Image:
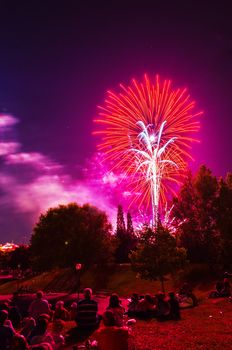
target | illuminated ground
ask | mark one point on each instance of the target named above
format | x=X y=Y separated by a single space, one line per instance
x=206 y=327
x=197 y=329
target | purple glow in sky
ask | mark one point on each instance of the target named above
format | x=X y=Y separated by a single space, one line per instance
x=58 y=59
x=31 y=182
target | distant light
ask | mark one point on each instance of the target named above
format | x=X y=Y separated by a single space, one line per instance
x=8 y=247
x=78 y=266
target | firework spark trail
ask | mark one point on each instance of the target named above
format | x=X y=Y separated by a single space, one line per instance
x=150 y=160
x=146 y=135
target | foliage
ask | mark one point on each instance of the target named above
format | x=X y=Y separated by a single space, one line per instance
x=71 y=233
x=203 y=215
x=129 y=228
x=121 y=227
x=4 y=259
x=20 y=257
x=224 y=218
x=125 y=237
x=157 y=254
x=195 y=212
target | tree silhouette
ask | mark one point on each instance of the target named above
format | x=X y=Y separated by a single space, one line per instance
x=224 y=219
x=129 y=226
x=195 y=214
x=120 y=234
x=71 y=233
x=21 y=256
x=125 y=236
x=121 y=227
x=157 y=254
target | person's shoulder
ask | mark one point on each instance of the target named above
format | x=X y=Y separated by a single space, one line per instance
x=118 y=309
x=44 y=301
x=8 y=331
x=58 y=337
x=11 y=331
x=93 y=301
x=45 y=338
x=82 y=301
x=87 y=301
x=49 y=336
x=107 y=330
x=122 y=330
x=99 y=330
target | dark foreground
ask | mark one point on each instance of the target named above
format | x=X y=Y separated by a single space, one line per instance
x=206 y=327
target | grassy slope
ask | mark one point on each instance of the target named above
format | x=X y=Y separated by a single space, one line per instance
x=120 y=279
x=205 y=327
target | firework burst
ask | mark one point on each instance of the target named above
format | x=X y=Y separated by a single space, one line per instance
x=146 y=132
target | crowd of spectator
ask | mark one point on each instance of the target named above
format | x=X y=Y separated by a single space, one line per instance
x=43 y=326
x=222 y=288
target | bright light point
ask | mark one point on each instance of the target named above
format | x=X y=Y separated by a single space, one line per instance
x=152 y=138
x=8 y=247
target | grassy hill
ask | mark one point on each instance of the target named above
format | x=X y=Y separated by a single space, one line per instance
x=205 y=327
x=115 y=278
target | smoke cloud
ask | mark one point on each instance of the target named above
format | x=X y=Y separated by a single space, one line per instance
x=32 y=182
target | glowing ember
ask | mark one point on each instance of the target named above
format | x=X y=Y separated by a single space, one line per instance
x=146 y=136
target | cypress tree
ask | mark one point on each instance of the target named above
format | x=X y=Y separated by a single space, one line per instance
x=129 y=229
x=125 y=236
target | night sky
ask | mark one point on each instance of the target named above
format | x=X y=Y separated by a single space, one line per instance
x=57 y=60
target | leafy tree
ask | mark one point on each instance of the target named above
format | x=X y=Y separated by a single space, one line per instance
x=157 y=254
x=21 y=256
x=71 y=233
x=224 y=218
x=207 y=191
x=195 y=212
x=4 y=260
x=203 y=215
x=185 y=219
x=131 y=237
